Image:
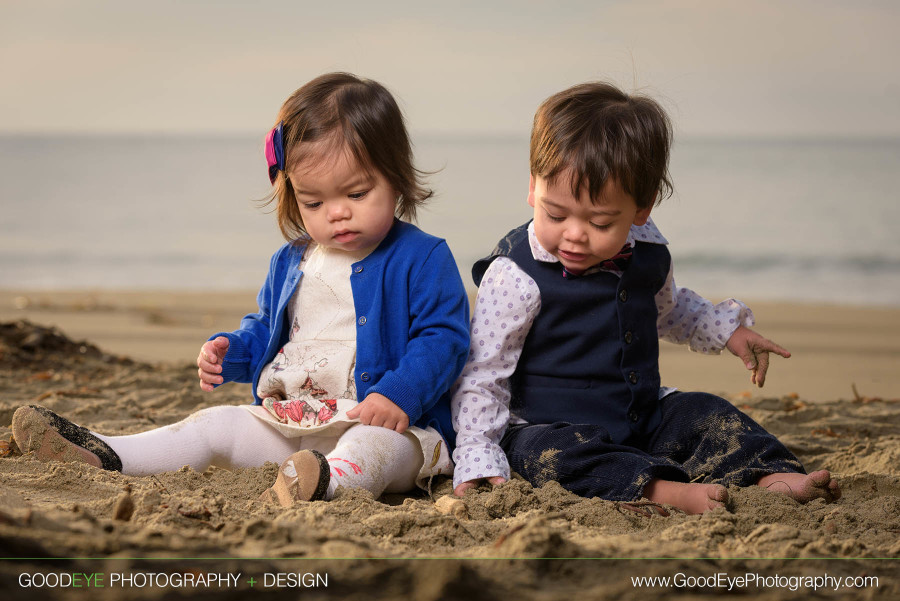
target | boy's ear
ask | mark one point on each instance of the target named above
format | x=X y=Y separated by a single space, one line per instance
x=641 y=217
x=531 y=190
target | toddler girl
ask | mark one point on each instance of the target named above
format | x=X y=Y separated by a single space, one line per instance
x=361 y=330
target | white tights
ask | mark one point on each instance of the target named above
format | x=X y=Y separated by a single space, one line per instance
x=370 y=457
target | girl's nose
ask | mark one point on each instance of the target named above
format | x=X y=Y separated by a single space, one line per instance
x=338 y=210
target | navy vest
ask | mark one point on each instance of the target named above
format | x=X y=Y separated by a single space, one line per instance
x=592 y=355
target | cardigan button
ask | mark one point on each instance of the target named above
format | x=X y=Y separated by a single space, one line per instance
x=633 y=416
x=362 y=320
x=623 y=295
x=629 y=337
x=364 y=376
x=358 y=269
x=633 y=377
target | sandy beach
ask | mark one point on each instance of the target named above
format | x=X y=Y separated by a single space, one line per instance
x=122 y=362
x=833 y=347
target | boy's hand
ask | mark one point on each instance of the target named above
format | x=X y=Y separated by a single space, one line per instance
x=378 y=410
x=209 y=362
x=754 y=351
x=462 y=488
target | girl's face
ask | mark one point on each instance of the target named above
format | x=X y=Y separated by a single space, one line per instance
x=341 y=205
x=579 y=233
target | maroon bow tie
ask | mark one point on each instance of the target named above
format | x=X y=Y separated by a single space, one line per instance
x=620 y=261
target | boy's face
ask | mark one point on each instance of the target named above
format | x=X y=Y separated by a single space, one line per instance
x=342 y=206
x=579 y=233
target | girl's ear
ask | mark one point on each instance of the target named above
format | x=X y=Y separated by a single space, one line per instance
x=531 y=190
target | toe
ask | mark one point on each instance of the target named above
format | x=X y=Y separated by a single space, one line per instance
x=835 y=489
x=719 y=493
x=820 y=479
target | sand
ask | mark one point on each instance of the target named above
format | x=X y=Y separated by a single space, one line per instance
x=122 y=363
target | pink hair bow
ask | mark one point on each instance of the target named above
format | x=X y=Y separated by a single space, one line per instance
x=275 y=150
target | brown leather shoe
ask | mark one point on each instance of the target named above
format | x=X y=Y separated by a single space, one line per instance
x=304 y=476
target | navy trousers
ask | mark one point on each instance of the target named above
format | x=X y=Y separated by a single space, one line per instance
x=701 y=438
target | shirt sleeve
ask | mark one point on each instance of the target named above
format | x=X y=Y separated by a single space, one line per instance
x=685 y=317
x=508 y=301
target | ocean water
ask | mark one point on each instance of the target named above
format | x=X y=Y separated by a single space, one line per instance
x=765 y=219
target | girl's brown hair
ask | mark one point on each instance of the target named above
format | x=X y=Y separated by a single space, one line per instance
x=340 y=110
x=599 y=132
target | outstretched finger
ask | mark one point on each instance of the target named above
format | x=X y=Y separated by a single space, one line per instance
x=767 y=345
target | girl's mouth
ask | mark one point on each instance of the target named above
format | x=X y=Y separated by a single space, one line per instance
x=344 y=237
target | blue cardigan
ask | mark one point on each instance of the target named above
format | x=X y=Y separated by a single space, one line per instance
x=412 y=324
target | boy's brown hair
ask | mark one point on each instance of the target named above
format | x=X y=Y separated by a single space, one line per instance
x=599 y=132
x=338 y=111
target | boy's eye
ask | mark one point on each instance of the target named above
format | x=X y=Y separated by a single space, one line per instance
x=554 y=218
x=604 y=226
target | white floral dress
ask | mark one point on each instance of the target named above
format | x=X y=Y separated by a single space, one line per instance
x=309 y=387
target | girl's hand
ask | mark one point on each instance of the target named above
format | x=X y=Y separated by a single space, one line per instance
x=462 y=488
x=209 y=362
x=378 y=410
x=754 y=351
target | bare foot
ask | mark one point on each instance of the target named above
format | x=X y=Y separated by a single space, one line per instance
x=804 y=487
x=689 y=497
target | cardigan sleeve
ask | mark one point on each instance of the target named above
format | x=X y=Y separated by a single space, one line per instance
x=438 y=337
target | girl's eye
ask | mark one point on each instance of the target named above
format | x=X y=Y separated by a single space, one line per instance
x=311 y=205
x=358 y=195
x=604 y=226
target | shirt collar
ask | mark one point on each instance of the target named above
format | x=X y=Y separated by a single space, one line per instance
x=639 y=233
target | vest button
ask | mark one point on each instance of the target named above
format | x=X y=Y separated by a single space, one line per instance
x=358 y=269
x=362 y=320
x=629 y=337
x=633 y=416
x=364 y=376
x=623 y=295
x=633 y=377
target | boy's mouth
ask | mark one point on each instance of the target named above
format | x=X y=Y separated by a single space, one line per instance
x=570 y=256
x=345 y=236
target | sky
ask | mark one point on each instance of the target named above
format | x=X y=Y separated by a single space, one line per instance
x=800 y=68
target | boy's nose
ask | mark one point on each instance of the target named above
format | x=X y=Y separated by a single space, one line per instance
x=575 y=233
